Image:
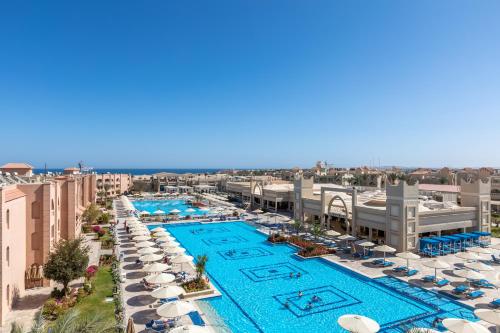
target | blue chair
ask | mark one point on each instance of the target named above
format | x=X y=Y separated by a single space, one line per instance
x=428 y=278
x=461 y=289
x=386 y=263
x=377 y=261
x=475 y=294
x=495 y=303
x=411 y=272
x=441 y=283
x=483 y=284
x=400 y=269
x=152 y=323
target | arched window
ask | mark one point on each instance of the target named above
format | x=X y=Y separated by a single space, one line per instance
x=8 y=218
x=7 y=255
x=7 y=294
x=52 y=204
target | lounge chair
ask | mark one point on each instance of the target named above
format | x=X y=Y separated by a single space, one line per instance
x=461 y=289
x=166 y=300
x=154 y=323
x=411 y=272
x=475 y=294
x=386 y=263
x=495 y=303
x=483 y=284
x=400 y=269
x=159 y=328
x=441 y=283
x=428 y=278
x=496 y=260
x=377 y=261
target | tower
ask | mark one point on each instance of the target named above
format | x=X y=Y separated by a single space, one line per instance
x=477 y=194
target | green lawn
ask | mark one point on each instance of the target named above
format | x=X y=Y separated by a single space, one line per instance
x=95 y=302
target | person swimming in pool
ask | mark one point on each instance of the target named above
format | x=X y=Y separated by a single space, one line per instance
x=291 y=275
x=300 y=293
x=315 y=298
x=309 y=305
x=286 y=305
x=299 y=275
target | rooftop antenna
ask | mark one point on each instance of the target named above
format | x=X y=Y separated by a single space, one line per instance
x=45 y=167
x=80 y=166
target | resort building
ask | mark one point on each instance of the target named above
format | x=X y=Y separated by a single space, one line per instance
x=19 y=169
x=110 y=185
x=398 y=215
x=35 y=213
x=166 y=182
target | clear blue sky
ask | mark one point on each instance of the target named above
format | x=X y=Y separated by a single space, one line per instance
x=250 y=83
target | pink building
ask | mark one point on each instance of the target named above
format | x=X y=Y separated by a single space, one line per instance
x=111 y=185
x=34 y=217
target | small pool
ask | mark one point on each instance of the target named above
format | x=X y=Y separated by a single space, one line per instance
x=254 y=279
x=167 y=206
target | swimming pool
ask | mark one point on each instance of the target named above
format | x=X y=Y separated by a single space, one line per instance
x=167 y=206
x=254 y=279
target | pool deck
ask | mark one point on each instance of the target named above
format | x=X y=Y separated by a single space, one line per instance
x=138 y=302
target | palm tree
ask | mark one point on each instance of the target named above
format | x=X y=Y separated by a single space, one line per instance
x=297 y=226
x=317 y=230
x=16 y=328
x=201 y=263
x=73 y=321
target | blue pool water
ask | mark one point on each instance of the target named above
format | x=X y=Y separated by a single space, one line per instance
x=254 y=279
x=166 y=205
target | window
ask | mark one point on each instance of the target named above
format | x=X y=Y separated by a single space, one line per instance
x=52 y=204
x=411 y=212
x=394 y=210
x=7 y=218
x=7 y=294
x=7 y=255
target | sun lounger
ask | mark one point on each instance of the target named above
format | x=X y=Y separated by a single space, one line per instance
x=441 y=283
x=496 y=260
x=411 y=272
x=400 y=269
x=196 y=318
x=386 y=263
x=166 y=300
x=495 y=303
x=377 y=261
x=461 y=289
x=475 y=294
x=428 y=278
x=483 y=284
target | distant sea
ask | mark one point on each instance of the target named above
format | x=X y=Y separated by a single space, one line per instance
x=137 y=171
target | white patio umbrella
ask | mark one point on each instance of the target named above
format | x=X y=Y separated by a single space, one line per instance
x=190 y=329
x=162 y=278
x=169 y=245
x=456 y=325
x=145 y=212
x=175 y=250
x=165 y=239
x=180 y=259
x=467 y=256
x=148 y=250
x=144 y=244
x=157 y=229
x=346 y=237
x=489 y=315
x=258 y=211
x=408 y=256
x=156 y=267
x=468 y=274
x=150 y=257
x=175 y=211
x=175 y=309
x=161 y=234
x=205 y=209
x=385 y=249
x=139 y=233
x=357 y=324
x=190 y=210
x=159 y=212
x=480 y=250
x=478 y=266
x=167 y=292
x=365 y=244
x=436 y=264
x=141 y=238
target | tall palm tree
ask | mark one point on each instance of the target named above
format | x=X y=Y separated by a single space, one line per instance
x=201 y=263
x=317 y=230
x=297 y=226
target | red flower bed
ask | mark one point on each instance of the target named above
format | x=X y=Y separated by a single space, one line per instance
x=309 y=249
x=276 y=238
